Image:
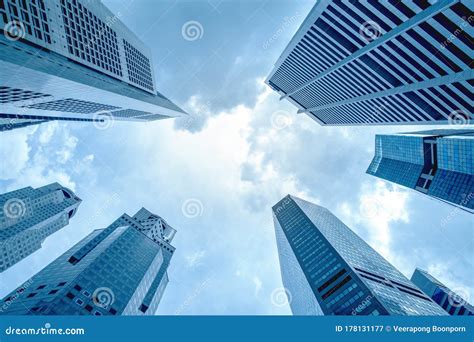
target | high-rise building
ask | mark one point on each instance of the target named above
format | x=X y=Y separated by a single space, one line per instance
x=328 y=270
x=118 y=270
x=380 y=62
x=437 y=163
x=28 y=216
x=449 y=300
x=74 y=60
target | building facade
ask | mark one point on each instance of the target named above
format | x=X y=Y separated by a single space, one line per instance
x=449 y=300
x=375 y=63
x=74 y=60
x=328 y=270
x=118 y=270
x=28 y=216
x=437 y=163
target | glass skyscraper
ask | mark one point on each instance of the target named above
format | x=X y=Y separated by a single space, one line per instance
x=118 y=270
x=437 y=163
x=329 y=270
x=28 y=216
x=380 y=62
x=449 y=300
x=74 y=60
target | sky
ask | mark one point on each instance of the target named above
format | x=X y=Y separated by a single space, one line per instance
x=215 y=176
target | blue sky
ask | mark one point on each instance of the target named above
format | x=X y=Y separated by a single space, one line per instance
x=241 y=153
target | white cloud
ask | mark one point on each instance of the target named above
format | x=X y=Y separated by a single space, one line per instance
x=237 y=163
x=14 y=152
x=379 y=205
x=258 y=285
x=195 y=258
x=443 y=271
x=33 y=164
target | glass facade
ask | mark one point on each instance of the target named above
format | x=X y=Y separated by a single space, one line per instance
x=74 y=60
x=438 y=163
x=449 y=300
x=379 y=62
x=118 y=270
x=28 y=216
x=329 y=270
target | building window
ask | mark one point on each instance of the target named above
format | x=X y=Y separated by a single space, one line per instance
x=31 y=295
x=53 y=291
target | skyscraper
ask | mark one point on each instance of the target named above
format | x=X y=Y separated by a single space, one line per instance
x=380 y=62
x=449 y=300
x=74 y=60
x=437 y=163
x=28 y=216
x=118 y=270
x=329 y=270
